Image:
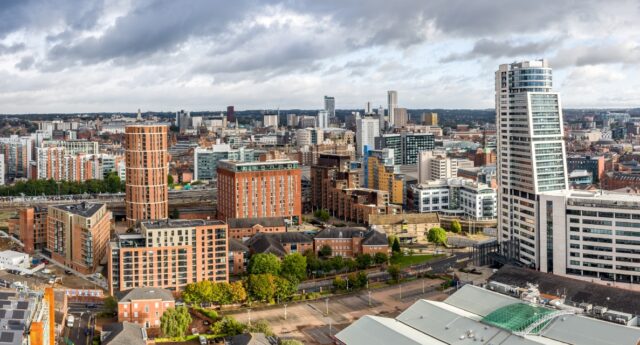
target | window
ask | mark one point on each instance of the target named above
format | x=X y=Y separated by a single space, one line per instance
x=135 y=314
x=126 y=314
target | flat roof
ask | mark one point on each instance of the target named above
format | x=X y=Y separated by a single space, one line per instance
x=179 y=223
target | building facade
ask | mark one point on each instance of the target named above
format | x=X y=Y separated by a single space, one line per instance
x=330 y=106
x=78 y=235
x=33 y=228
x=435 y=166
x=260 y=189
x=531 y=150
x=205 y=161
x=367 y=129
x=406 y=146
x=392 y=104
x=144 y=306
x=382 y=175
x=244 y=228
x=147 y=168
x=593 y=164
x=169 y=254
x=351 y=242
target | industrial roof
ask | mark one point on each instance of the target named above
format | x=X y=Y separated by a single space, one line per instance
x=375 y=330
x=468 y=300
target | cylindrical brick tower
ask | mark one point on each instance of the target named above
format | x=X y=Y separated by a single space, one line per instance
x=147 y=167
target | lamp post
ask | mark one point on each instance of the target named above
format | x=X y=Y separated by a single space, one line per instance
x=285 y=311
x=326 y=303
x=369 y=293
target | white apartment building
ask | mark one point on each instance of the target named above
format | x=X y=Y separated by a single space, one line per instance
x=322 y=120
x=531 y=150
x=436 y=165
x=392 y=104
x=591 y=235
x=367 y=129
x=455 y=197
x=270 y=120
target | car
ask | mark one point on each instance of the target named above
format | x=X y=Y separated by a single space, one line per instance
x=206 y=323
x=68 y=272
x=91 y=305
x=45 y=261
x=203 y=340
x=70 y=320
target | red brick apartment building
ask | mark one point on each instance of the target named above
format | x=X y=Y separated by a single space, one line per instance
x=244 y=228
x=350 y=242
x=144 y=306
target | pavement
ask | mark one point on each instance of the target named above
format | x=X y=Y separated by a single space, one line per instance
x=84 y=323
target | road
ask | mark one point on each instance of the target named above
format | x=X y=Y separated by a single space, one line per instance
x=84 y=320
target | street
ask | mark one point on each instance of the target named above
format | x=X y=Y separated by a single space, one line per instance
x=84 y=320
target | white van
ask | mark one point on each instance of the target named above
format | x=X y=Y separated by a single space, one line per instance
x=70 y=320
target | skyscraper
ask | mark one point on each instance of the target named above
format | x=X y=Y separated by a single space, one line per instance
x=531 y=151
x=231 y=114
x=147 y=167
x=330 y=106
x=392 y=104
x=323 y=119
x=367 y=129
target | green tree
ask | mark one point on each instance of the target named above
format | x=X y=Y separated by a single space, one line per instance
x=264 y=264
x=228 y=327
x=199 y=292
x=110 y=304
x=363 y=261
x=238 y=294
x=175 y=322
x=456 y=228
x=395 y=247
x=337 y=263
x=339 y=283
x=323 y=215
x=325 y=251
x=380 y=258
x=294 y=267
x=170 y=179
x=284 y=288
x=394 y=272
x=261 y=326
x=262 y=287
x=437 y=236
x=349 y=264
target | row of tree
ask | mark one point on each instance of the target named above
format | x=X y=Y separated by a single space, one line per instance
x=216 y=293
x=324 y=264
x=110 y=184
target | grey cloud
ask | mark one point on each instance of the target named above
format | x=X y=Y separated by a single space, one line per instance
x=11 y=49
x=25 y=63
x=498 y=49
x=597 y=55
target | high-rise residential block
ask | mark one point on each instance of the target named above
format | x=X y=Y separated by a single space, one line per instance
x=436 y=165
x=367 y=129
x=169 y=254
x=330 y=106
x=381 y=174
x=32 y=222
x=17 y=156
x=531 y=150
x=322 y=119
x=392 y=104
x=74 y=147
x=147 y=168
x=183 y=120
x=269 y=188
x=406 y=146
x=270 y=120
x=55 y=163
x=77 y=235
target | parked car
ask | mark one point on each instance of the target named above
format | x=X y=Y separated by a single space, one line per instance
x=68 y=272
x=203 y=340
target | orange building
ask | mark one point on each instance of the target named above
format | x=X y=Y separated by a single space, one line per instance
x=33 y=228
x=259 y=189
x=147 y=168
x=350 y=242
x=382 y=175
x=169 y=254
x=144 y=306
x=77 y=235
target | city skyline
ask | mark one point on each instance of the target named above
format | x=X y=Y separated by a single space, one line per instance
x=120 y=56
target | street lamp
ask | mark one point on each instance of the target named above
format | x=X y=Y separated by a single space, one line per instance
x=326 y=302
x=249 y=316
x=369 y=292
x=285 y=311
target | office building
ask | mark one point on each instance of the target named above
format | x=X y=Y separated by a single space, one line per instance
x=17 y=153
x=309 y=136
x=32 y=224
x=144 y=305
x=28 y=317
x=330 y=106
x=231 y=114
x=77 y=235
x=205 y=161
x=381 y=173
x=169 y=254
x=406 y=146
x=259 y=189
x=183 y=120
x=367 y=129
x=270 y=120
x=454 y=197
x=400 y=117
x=147 y=168
x=392 y=104
x=351 y=242
x=531 y=151
x=292 y=120
x=593 y=164
x=436 y=165
x=430 y=119
x=322 y=119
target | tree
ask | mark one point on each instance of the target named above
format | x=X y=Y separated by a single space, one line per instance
x=228 y=326
x=363 y=261
x=110 y=304
x=175 y=214
x=262 y=287
x=395 y=247
x=264 y=264
x=170 y=179
x=337 y=263
x=437 y=236
x=455 y=226
x=198 y=292
x=339 y=283
x=394 y=272
x=261 y=326
x=349 y=264
x=237 y=292
x=323 y=215
x=294 y=267
x=175 y=322
x=325 y=251
x=380 y=258
x=284 y=288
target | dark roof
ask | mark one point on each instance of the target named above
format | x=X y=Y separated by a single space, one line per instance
x=83 y=209
x=237 y=246
x=375 y=238
x=144 y=293
x=342 y=232
x=240 y=223
x=261 y=243
x=576 y=291
x=292 y=237
x=250 y=339
x=125 y=333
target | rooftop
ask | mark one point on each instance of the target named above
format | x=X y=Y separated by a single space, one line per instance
x=178 y=223
x=235 y=223
x=125 y=333
x=145 y=293
x=82 y=209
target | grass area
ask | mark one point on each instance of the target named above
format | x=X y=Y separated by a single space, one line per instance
x=408 y=260
x=212 y=314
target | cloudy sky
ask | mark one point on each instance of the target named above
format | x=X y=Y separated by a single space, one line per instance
x=121 y=55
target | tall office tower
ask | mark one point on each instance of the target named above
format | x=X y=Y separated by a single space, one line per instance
x=400 y=117
x=270 y=120
x=292 y=120
x=231 y=114
x=531 y=151
x=435 y=166
x=367 y=108
x=205 y=161
x=259 y=189
x=367 y=129
x=147 y=168
x=169 y=254
x=392 y=104
x=77 y=235
x=322 y=119
x=330 y=106
x=183 y=120
x=139 y=116
x=406 y=145
x=430 y=119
